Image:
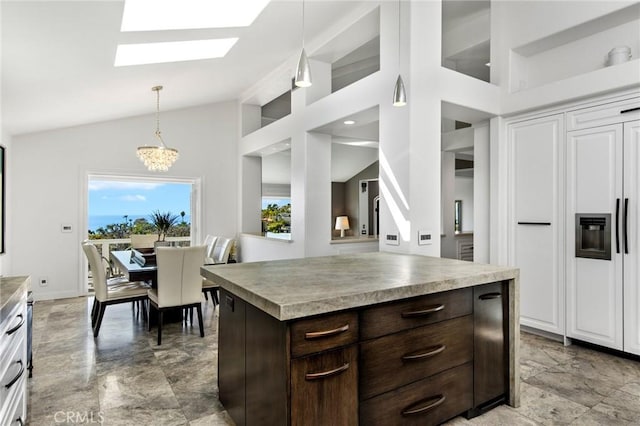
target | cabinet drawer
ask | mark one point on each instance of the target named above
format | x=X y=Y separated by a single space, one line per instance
x=324 y=388
x=13 y=328
x=397 y=359
x=16 y=413
x=397 y=316
x=603 y=115
x=13 y=365
x=427 y=402
x=325 y=332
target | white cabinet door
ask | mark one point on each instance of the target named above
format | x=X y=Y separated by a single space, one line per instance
x=632 y=259
x=594 y=286
x=536 y=237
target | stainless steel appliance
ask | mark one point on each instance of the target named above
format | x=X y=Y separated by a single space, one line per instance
x=593 y=236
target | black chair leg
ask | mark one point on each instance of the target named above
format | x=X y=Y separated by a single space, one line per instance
x=94 y=313
x=199 y=309
x=149 y=315
x=205 y=295
x=159 y=327
x=214 y=296
x=93 y=310
x=144 y=310
x=101 y=309
x=191 y=316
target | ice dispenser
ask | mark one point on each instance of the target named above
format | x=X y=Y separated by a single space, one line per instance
x=593 y=236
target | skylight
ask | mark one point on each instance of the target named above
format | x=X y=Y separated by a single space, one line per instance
x=173 y=51
x=156 y=15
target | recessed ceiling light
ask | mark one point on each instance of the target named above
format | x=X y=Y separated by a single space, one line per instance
x=156 y=15
x=488 y=64
x=349 y=122
x=173 y=51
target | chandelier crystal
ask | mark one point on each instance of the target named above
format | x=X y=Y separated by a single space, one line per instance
x=157 y=158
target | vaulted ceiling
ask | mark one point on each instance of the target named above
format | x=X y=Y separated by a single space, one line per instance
x=57 y=60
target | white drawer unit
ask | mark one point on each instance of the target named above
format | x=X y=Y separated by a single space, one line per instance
x=13 y=350
x=602 y=115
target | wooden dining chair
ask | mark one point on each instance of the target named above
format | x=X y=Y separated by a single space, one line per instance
x=110 y=291
x=179 y=282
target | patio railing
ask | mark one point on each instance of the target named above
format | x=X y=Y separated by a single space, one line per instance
x=106 y=246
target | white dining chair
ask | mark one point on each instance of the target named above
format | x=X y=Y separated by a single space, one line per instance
x=109 y=291
x=210 y=242
x=179 y=282
x=220 y=255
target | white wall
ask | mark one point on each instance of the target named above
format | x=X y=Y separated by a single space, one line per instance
x=463 y=190
x=5 y=258
x=49 y=169
x=447 y=179
x=481 y=194
x=518 y=24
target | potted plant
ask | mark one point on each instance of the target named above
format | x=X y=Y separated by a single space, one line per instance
x=163 y=221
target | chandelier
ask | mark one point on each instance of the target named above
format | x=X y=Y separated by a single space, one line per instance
x=157 y=158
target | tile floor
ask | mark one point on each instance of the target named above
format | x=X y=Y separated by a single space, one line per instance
x=124 y=378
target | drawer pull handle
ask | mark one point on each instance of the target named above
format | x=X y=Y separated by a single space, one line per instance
x=14 y=329
x=435 y=350
x=15 y=379
x=419 y=408
x=624 y=111
x=423 y=312
x=490 y=296
x=329 y=373
x=327 y=333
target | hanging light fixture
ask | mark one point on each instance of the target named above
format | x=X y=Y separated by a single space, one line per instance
x=399 y=94
x=303 y=71
x=157 y=158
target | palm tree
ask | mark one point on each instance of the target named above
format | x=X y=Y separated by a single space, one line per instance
x=163 y=221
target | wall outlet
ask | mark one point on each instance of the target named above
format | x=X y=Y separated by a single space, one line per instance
x=424 y=238
x=392 y=240
x=43 y=281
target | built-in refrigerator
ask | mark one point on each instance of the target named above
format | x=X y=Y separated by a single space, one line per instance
x=602 y=263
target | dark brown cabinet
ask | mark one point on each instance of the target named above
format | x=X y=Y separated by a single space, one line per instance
x=324 y=388
x=417 y=361
x=231 y=360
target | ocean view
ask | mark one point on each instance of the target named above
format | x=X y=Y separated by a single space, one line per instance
x=101 y=221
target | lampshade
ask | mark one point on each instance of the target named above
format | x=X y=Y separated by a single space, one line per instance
x=342 y=224
x=399 y=95
x=157 y=158
x=303 y=71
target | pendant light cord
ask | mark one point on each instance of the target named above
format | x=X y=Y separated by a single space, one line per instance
x=399 y=9
x=158 y=133
x=303 y=24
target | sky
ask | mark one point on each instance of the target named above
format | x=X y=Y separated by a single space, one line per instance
x=137 y=198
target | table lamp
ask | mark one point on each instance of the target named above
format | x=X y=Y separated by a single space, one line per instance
x=342 y=223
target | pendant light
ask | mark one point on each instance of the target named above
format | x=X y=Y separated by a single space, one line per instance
x=399 y=93
x=157 y=158
x=303 y=71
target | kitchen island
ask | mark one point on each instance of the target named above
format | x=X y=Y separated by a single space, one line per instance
x=372 y=338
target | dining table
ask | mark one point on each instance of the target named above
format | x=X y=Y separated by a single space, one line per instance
x=123 y=260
